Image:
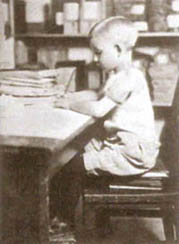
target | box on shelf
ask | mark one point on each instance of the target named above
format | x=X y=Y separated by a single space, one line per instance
x=7 y=59
x=109 y=8
x=157 y=15
x=38 y=15
x=141 y=25
x=49 y=56
x=59 y=18
x=94 y=79
x=4 y=17
x=135 y=10
x=58 y=25
x=175 y=6
x=20 y=17
x=71 y=11
x=21 y=53
x=173 y=22
x=164 y=78
x=2 y=21
x=90 y=13
x=71 y=27
x=80 y=53
x=164 y=91
x=173 y=15
x=85 y=26
x=71 y=18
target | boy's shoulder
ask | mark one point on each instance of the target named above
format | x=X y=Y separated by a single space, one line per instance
x=133 y=76
x=137 y=77
x=136 y=73
x=132 y=72
x=132 y=79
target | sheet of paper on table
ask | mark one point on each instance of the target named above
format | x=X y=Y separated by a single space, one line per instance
x=44 y=122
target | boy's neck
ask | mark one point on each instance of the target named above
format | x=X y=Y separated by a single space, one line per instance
x=127 y=62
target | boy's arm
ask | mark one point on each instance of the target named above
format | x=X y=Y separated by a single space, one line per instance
x=86 y=95
x=96 y=109
x=76 y=97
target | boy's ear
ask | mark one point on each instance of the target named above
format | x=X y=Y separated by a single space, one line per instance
x=118 y=48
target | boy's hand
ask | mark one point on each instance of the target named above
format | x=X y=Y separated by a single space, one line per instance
x=62 y=103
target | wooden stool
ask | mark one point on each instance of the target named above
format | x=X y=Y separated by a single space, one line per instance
x=148 y=195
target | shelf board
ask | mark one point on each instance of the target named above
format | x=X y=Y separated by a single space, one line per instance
x=49 y=35
x=164 y=105
x=159 y=34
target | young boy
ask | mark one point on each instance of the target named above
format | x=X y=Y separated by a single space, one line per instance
x=127 y=145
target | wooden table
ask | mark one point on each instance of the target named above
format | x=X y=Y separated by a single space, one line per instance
x=30 y=144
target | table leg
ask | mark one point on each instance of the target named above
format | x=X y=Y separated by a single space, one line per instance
x=177 y=218
x=24 y=197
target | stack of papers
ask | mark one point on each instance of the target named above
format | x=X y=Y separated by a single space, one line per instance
x=30 y=86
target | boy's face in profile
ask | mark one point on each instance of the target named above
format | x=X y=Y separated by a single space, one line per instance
x=110 y=56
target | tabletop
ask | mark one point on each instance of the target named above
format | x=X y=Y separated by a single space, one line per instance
x=41 y=127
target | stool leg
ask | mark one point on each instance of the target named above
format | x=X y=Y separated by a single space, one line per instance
x=83 y=210
x=168 y=224
x=177 y=219
x=103 y=224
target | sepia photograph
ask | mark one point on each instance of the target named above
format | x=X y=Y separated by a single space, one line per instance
x=89 y=121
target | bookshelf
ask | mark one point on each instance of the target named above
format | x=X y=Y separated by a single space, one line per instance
x=46 y=37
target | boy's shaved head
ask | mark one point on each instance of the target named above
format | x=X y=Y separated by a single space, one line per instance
x=118 y=29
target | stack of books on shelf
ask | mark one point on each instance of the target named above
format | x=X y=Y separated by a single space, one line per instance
x=29 y=86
